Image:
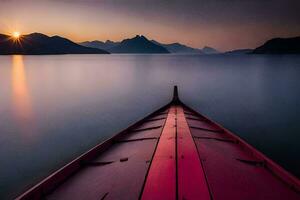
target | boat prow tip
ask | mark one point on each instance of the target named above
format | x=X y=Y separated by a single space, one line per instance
x=175 y=99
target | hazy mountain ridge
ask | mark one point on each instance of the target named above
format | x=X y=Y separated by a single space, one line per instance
x=210 y=50
x=99 y=44
x=40 y=44
x=239 y=51
x=179 y=48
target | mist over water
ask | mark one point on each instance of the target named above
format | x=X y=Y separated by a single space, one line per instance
x=53 y=108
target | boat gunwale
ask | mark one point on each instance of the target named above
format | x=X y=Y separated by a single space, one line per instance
x=269 y=164
x=50 y=182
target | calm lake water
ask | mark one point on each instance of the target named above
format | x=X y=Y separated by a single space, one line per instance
x=53 y=108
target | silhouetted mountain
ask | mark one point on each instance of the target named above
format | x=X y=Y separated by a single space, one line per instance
x=39 y=44
x=179 y=48
x=239 y=51
x=99 y=44
x=280 y=46
x=210 y=50
x=138 y=44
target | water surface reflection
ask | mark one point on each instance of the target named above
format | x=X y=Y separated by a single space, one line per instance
x=20 y=94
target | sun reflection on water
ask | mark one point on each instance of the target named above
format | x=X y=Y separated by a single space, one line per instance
x=21 y=98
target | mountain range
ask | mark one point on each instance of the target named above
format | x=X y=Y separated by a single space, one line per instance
x=140 y=44
x=40 y=44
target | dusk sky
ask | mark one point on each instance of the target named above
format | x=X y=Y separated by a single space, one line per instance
x=225 y=25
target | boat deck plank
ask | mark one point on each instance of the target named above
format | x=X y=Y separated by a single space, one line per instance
x=204 y=133
x=136 y=150
x=191 y=178
x=203 y=125
x=161 y=179
x=151 y=124
x=152 y=133
x=118 y=180
x=233 y=173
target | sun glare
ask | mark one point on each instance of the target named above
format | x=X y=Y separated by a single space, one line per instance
x=16 y=35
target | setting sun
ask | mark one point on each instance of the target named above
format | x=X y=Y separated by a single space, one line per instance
x=16 y=34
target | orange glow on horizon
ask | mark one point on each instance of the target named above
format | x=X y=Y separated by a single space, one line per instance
x=16 y=35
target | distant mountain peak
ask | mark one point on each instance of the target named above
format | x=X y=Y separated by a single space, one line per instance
x=209 y=50
x=38 y=34
x=138 y=44
x=140 y=36
x=109 y=42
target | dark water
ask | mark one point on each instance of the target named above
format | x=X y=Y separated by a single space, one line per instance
x=53 y=108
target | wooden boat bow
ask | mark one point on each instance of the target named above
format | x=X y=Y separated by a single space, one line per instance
x=173 y=153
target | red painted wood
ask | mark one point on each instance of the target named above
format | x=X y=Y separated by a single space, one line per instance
x=136 y=150
x=119 y=180
x=191 y=178
x=232 y=179
x=161 y=179
x=152 y=133
x=151 y=124
x=203 y=124
x=229 y=178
